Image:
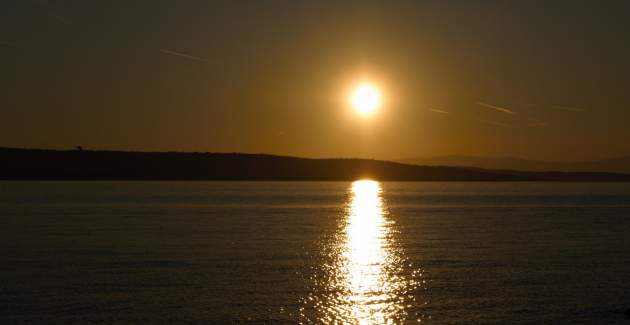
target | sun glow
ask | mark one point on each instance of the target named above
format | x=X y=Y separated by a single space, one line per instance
x=366 y=99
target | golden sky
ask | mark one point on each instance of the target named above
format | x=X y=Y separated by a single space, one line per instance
x=533 y=79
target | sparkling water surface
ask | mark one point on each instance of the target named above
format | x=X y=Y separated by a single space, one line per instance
x=362 y=252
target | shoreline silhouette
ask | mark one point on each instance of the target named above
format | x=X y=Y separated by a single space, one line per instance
x=44 y=164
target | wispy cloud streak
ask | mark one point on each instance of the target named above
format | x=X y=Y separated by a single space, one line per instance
x=435 y=110
x=183 y=55
x=497 y=108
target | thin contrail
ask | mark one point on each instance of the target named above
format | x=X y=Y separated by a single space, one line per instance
x=495 y=123
x=570 y=109
x=183 y=55
x=59 y=18
x=533 y=122
x=48 y=7
x=539 y=124
x=9 y=44
x=439 y=111
x=498 y=108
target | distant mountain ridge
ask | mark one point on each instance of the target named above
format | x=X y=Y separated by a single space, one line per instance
x=614 y=165
x=38 y=164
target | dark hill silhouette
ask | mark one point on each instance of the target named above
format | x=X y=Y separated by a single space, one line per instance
x=37 y=164
x=614 y=165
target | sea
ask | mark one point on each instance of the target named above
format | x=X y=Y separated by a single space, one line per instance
x=363 y=252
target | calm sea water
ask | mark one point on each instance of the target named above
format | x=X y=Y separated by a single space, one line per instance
x=362 y=252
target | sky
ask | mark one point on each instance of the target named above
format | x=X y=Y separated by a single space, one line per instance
x=535 y=79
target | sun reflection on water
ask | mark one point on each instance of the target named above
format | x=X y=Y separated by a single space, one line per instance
x=366 y=253
x=367 y=279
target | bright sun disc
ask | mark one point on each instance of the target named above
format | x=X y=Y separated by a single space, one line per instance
x=366 y=99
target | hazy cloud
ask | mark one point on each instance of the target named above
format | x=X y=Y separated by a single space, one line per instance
x=183 y=55
x=435 y=110
x=497 y=108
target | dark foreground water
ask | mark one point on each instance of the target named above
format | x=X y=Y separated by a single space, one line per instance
x=363 y=252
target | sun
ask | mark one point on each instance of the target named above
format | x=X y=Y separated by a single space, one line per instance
x=366 y=99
